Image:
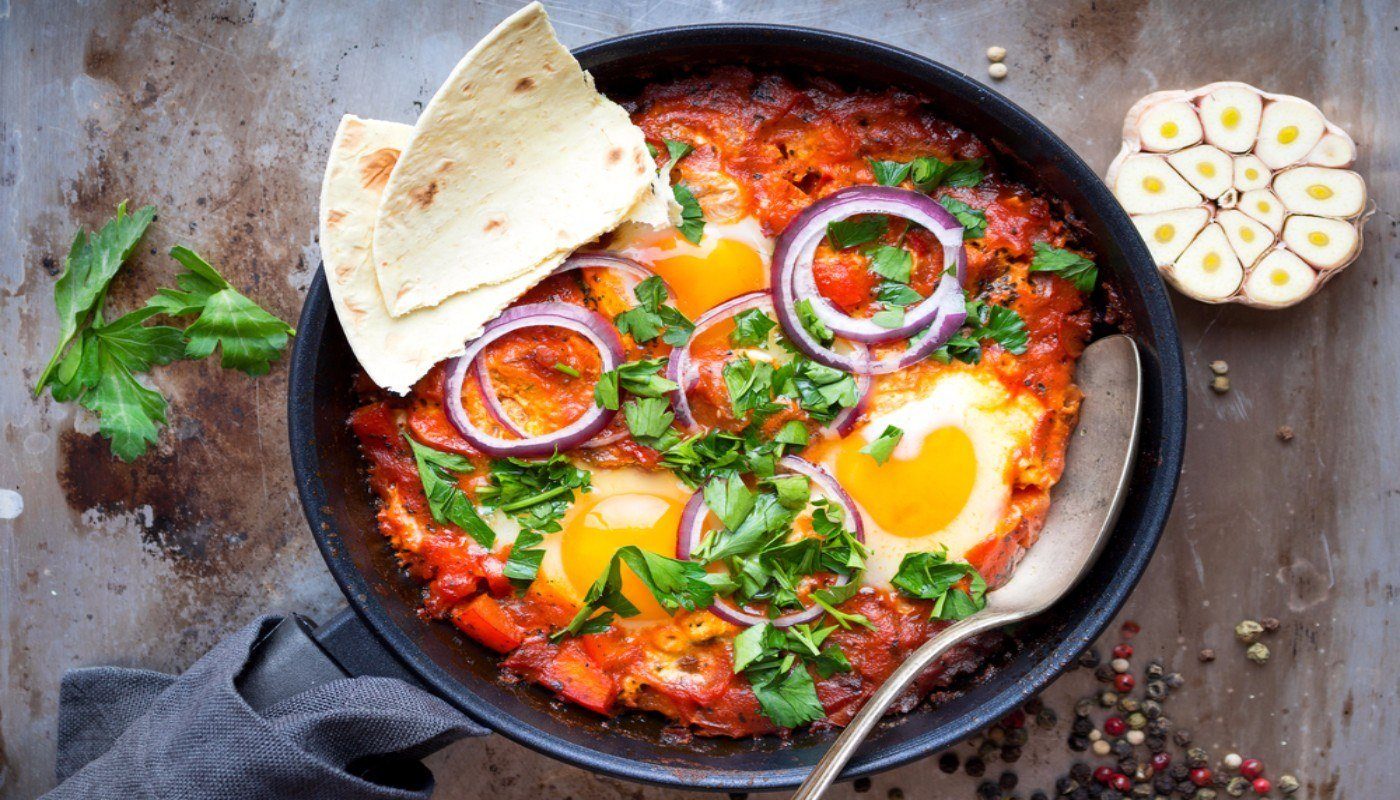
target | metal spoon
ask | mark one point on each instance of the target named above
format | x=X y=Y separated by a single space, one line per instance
x=1085 y=507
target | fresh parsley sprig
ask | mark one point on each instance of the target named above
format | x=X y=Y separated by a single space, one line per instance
x=973 y=220
x=931 y=576
x=928 y=173
x=883 y=445
x=776 y=661
x=653 y=317
x=536 y=494
x=438 y=472
x=1068 y=264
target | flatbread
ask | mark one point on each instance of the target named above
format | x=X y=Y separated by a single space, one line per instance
x=516 y=161
x=394 y=352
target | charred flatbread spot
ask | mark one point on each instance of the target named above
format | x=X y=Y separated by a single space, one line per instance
x=334 y=217
x=423 y=196
x=525 y=84
x=495 y=223
x=375 y=169
x=615 y=155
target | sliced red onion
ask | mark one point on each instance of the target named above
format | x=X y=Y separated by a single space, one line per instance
x=588 y=324
x=692 y=532
x=604 y=260
x=678 y=369
x=843 y=423
x=937 y=316
x=492 y=401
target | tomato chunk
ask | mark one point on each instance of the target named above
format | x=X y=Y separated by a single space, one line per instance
x=483 y=619
x=576 y=678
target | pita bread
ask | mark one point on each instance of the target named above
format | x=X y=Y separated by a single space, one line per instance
x=514 y=163
x=394 y=352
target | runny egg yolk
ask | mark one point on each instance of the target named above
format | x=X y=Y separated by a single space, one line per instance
x=702 y=282
x=604 y=524
x=912 y=496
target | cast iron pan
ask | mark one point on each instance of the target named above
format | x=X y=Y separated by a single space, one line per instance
x=384 y=635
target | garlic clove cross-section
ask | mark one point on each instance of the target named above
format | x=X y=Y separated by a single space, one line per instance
x=1241 y=195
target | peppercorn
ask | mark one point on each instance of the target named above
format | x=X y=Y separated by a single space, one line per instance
x=1120 y=665
x=1120 y=783
x=1159 y=727
x=1124 y=682
x=1108 y=699
x=1237 y=787
x=1084 y=707
x=1123 y=651
x=1089 y=658
x=1271 y=624
x=1258 y=653
x=1033 y=705
x=1127 y=765
x=1103 y=774
x=1077 y=743
x=1137 y=721
x=1011 y=754
x=1156 y=690
x=1251 y=768
x=1179 y=772
x=1142 y=773
x=1205 y=794
x=988 y=749
x=1111 y=794
x=1046 y=718
x=1220 y=384
x=988 y=791
x=895 y=793
x=1248 y=631
x=996 y=736
x=1161 y=761
x=1288 y=784
x=1065 y=785
x=1262 y=786
x=1038 y=795
x=1129 y=705
x=1182 y=737
x=975 y=767
x=1104 y=673
x=1151 y=709
x=1174 y=680
x=1142 y=791
x=1187 y=789
x=1080 y=771
x=948 y=762
x=1135 y=738
x=1081 y=726
x=1017 y=737
x=1122 y=748
x=1102 y=748
x=1154 y=669
x=1206 y=655
x=1081 y=793
x=1164 y=784
x=1219 y=366
x=1156 y=745
x=1129 y=629
x=1197 y=758
x=1008 y=780
x=861 y=785
x=1115 y=726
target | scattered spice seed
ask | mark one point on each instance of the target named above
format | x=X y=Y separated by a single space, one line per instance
x=1262 y=786
x=1248 y=631
x=1123 y=651
x=997 y=70
x=1284 y=433
x=975 y=767
x=1236 y=787
x=1206 y=655
x=1008 y=780
x=1288 y=784
x=1129 y=629
x=895 y=793
x=1102 y=748
x=1271 y=624
x=996 y=53
x=1201 y=776
x=1219 y=366
x=1120 y=665
x=1124 y=682
x=1220 y=384
x=1136 y=737
x=1258 y=653
x=1251 y=768
x=948 y=762
x=861 y=785
x=1232 y=761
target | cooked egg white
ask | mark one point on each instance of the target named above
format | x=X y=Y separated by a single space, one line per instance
x=949 y=480
x=731 y=259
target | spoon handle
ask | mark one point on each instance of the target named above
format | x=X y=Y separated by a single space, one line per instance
x=829 y=768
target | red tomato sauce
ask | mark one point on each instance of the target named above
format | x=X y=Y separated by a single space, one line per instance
x=765 y=146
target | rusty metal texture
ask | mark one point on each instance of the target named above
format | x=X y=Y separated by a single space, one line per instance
x=221 y=113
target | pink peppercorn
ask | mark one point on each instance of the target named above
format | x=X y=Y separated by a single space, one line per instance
x=1121 y=783
x=1103 y=775
x=1115 y=726
x=1123 y=651
x=1160 y=761
x=1251 y=768
x=1124 y=682
x=1200 y=776
x=1262 y=786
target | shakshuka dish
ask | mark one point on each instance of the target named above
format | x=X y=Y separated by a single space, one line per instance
x=733 y=469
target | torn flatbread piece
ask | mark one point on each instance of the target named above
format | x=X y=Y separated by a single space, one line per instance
x=515 y=162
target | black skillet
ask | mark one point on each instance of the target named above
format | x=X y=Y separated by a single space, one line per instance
x=381 y=632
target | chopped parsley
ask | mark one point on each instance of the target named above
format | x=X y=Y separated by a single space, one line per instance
x=930 y=173
x=676 y=150
x=844 y=233
x=692 y=225
x=793 y=432
x=674 y=583
x=1068 y=264
x=931 y=576
x=651 y=317
x=776 y=661
x=751 y=328
x=605 y=593
x=883 y=446
x=973 y=220
x=536 y=494
x=648 y=418
x=640 y=378
x=985 y=321
x=893 y=263
x=438 y=472
x=889 y=173
x=812 y=323
x=750 y=385
x=565 y=369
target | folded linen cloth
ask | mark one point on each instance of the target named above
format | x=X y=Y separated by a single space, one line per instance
x=131 y=734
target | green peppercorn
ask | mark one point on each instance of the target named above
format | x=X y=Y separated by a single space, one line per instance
x=1248 y=631
x=1288 y=784
x=1137 y=721
x=1258 y=653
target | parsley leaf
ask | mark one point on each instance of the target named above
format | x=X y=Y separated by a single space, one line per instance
x=92 y=261
x=1068 y=264
x=751 y=328
x=894 y=263
x=750 y=384
x=606 y=592
x=676 y=150
x=889 y=173
x=446 y=500
x=249 y=338
x=525 y=558
x=883 y=447
x=535 y=493
x=812 y=323
x=648 y=418
x=565 y=369
x=844 y=233
x=834 y=596
x=985 y=321
x=888 y=317
x=973 y=220
x=793 y=491
x=793 y=432
x=730 y=499
x=674 y=583
x=1005 y=327
x=931 y=576
x=650 y=317
x=774 y=661
x=692 y=225
x=641 y=378
x=897 y=294
x=928 y=173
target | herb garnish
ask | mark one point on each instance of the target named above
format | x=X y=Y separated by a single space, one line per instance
x=640 y=378
x=985 y=321
x=751 y=328
x=676 y=150
x=844 y=233
x=883 y=446
x=973 y=220
x=928 y=173
x=692 y=225
x=674 y=583
x=565 y=369
x=446 y=500
x=1068 y=264
x=652 y=317
x=536 y=494
x=931 y=576
x=775 y=661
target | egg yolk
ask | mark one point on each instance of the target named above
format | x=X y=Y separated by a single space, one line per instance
x=603 y=525
x=915 y=496
x=701 y=282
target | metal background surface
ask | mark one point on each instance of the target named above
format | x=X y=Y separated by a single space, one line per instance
x=221 y=114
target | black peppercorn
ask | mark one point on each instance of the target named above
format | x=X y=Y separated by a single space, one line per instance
x=987 y=749
x=1156 y=744
x=948 y=762
x=1174 y=680
x=1081 y=726
x=988 y=791
x=1155 y=669
x=1010 y=754
x=1182 y=738
x=1156 y=690
x=1104 y=673
x=1197 y=758
x=1121 y=748
x=1038 y=795
x=1187 y=789
x=1164 y=784
x=1017 y=737
x=1008 y=780
x=975 y=767
x=1089 y=658
x=1078 y=743
x=1033 y=706
x=1095 y=790
x=1080 y=771
x=1046 y=718
x=861 y=785
x=1151 y=709
x=1127 y=765
x=1179 y=772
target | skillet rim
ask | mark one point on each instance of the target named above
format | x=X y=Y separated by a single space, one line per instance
x=1158 y=491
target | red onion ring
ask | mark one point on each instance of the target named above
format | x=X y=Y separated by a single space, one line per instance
x=678 y=368
x=939 y=315
x=588 y=324
x=604 y=260
x=692 y=532
x=492 y=401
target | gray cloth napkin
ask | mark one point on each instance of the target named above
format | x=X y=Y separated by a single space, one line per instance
x=130 y=734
